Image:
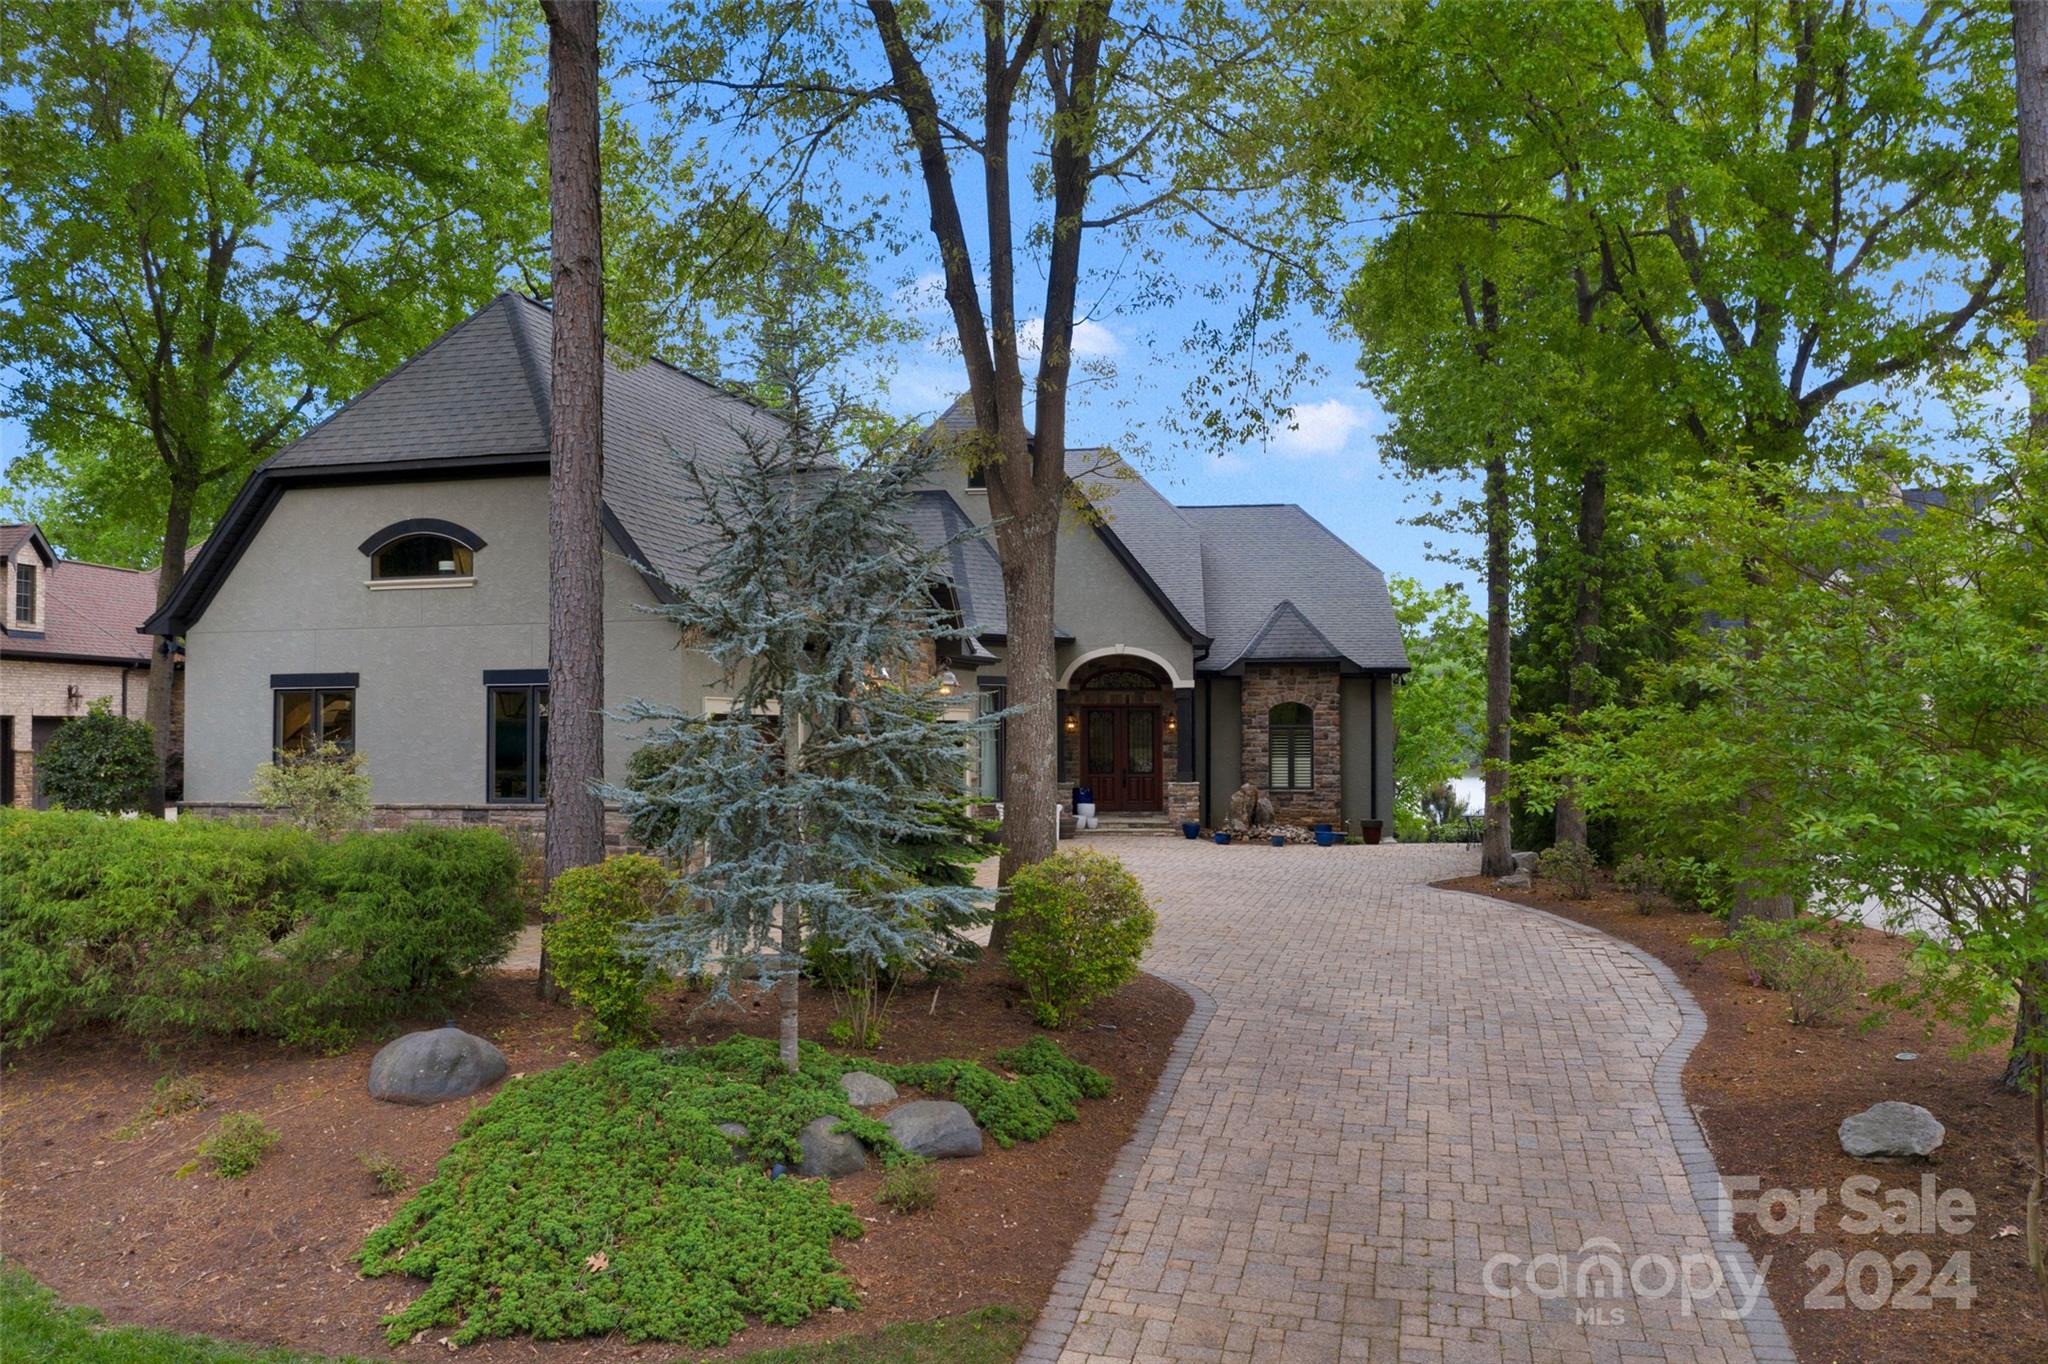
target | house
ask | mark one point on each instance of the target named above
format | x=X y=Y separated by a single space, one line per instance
x=382 y=583
x=68 y=637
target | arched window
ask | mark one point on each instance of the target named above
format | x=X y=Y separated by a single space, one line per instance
x=1290 y=727
x=422 y=551
x=422 y=556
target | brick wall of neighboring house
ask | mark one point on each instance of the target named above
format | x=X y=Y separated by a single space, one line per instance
x=1267 y=685
x=32 y=689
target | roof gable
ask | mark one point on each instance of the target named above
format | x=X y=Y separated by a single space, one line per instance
x=1290 y=637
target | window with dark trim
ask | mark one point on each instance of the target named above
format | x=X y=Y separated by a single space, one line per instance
x=977 y=477
x=518 y=742
x=25 y=594
x=1290 y=729
x=304 y=718
x=422 y=556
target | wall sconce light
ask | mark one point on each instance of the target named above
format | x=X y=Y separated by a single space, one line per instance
x=1072 y=723
x=947 y=681
x=1172 y=723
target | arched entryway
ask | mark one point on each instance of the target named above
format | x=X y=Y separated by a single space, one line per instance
x=1120 y=730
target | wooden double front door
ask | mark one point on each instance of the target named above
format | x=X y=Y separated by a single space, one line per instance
x=1121 y=757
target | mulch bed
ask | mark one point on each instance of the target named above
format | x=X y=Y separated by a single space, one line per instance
x=1770 y=1095
x=108 y=1223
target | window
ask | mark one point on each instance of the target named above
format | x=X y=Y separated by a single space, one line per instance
x=307 y=717
x=25 y=594
x=422 y=556
x=1291 y=733
x=519 y=742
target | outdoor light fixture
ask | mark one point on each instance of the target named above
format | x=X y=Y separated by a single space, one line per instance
x=1172 y=723
x=1072 y=724
x=947 y=682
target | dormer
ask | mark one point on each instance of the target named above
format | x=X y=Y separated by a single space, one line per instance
x=26 y=562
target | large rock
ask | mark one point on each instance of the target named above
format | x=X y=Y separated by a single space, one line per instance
x=1250 y=808
x=434 y=1067
x=1891 y=1129
x=1514 y=880
x=866 y=1091
x=736 y=1133
x=829 y=1154
x=1525 y=861
x=938 y=1128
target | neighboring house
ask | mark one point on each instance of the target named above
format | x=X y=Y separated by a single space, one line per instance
x=68 y=637
x=382 y=583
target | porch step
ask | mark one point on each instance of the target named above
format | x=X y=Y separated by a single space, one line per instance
x=1146 y=825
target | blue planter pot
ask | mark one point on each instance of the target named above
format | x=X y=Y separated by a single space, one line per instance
x=1278 y=841
x=1084 y=795
x=1322 y=828
x=1324 y=838
x=1191 y=830
x=1222 y=840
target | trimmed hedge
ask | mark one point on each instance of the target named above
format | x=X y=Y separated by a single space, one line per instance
x=157 y=928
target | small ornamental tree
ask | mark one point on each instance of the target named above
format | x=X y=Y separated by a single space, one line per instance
x=100 y=761
x=792 y=810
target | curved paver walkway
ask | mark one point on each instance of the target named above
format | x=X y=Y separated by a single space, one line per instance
x=1394 y=1085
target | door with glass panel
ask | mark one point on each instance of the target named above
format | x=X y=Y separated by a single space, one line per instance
x=1120 y=757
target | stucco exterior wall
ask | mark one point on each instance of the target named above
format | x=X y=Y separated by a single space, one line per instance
x=1368 y=749
x=298 y=602
x=1220 y=764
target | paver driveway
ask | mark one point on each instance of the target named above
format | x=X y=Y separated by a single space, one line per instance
x=1396 y=1085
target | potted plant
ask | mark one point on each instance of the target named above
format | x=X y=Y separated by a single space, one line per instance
x=1222 y=837
x=1190 y=829
x=1325 y=836
x=1370 y=829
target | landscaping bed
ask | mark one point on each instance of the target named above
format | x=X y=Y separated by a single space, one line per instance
x=1770 y=1096
x=109 y=1222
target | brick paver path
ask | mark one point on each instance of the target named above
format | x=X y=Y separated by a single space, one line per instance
x=1395 y=1085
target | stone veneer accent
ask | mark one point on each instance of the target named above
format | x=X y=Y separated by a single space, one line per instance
x=1267 y=685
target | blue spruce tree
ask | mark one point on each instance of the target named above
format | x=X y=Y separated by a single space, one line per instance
x=789 y=816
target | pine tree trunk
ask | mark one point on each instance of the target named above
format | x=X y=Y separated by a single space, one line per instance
x=1027 y=545
x=2030 y=51
x=1571 y=816
x=1495 y=856
x=163 y=658
x=575 y=815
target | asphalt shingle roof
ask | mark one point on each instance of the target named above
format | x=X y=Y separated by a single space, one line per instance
x=1150 y=527
x=89 y=610
x=1255 y=559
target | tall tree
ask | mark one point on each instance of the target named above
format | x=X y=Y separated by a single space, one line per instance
x=1135 y=115
x=575 y=811
x=218 y=220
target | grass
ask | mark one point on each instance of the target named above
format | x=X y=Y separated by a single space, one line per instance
x=37 y=1329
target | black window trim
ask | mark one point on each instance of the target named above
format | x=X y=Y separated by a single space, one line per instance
x=528 y=680
x=422 y=525
x=316 y=685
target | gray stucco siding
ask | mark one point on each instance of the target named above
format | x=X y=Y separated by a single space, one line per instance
x=1367 y=746
x=298 y=602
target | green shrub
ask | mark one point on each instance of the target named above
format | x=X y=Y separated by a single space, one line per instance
x=590 y=909
x=389 y=1175
x=237 y=1145
x=1569 y=864
x=909 y=1185
x=602 y=1197
x=1818 y=977
x=100 y=761
x=322 y=790
x=199 y=926
x=171 y=1095
x=1078 y=924
x=1640 y=875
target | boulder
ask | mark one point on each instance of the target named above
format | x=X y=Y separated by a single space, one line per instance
x=937 y=1128
x=1514 y=880
x=829 y=1154
x=866 y=1091
x=736 y=1133
x=1890 y=1129
x=434 y=1067
x=1525 y=861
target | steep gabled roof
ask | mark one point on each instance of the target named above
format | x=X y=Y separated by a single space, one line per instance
x=90 y=611
x=1289 y=637
x=1149 y=529
x=477 y=399
x=1259 y=559
x=25 y=533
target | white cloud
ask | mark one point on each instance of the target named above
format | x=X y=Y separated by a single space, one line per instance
x=1323 y=428
x=1092 y=340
